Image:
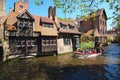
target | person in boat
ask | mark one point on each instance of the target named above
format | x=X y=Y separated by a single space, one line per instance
x=79 y=51
x=99 y=50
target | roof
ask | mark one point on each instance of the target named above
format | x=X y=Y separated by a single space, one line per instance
x=12 y=19
x=75 y=31
x=11 y=28
x=28 y=14
x=97 y=13
x=39 y=28
x=46 y=19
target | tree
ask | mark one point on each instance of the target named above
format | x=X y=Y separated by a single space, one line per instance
x=116 y=24
x=84 y=6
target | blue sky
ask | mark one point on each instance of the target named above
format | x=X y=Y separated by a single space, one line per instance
x=43 y=10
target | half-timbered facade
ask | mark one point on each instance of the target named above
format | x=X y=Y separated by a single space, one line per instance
x=18 y=32
x=25 y=34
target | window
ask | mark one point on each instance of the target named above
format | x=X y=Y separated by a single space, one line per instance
x=29 y=43
x=44 y=41
x=52 y=41
x=21 y=6
x=18 y=44
x=46 y=25
x=66 y=41
x=103 y=22
x=100 y=22
x=63 y=26
x=30 y=24
x=49 y=41
x=34 y=42
x=71 y=27
x=23 y=43
x=20 y=23
x=26 y=23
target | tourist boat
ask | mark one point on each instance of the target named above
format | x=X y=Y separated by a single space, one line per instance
x=78 y=54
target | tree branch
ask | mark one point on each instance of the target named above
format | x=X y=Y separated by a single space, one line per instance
x=91 y=3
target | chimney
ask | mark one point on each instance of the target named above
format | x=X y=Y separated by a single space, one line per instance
x=50 y=12
x=54 y=13
x=10 y=10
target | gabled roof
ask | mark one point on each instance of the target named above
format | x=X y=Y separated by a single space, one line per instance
x=28 y=14
x=12 y=17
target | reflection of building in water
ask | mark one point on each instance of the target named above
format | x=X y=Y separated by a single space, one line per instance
x=113 y=34
x=64 y=59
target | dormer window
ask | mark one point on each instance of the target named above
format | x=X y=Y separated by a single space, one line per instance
x=47 y=25
x=21 y=6
x=71 y=27
x=63 y=26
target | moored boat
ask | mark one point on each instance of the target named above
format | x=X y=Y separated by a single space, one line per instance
x=79 y=54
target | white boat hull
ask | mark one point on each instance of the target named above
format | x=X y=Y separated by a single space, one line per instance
x=86 y=55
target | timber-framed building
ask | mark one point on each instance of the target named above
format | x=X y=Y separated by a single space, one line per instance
x=25 y=34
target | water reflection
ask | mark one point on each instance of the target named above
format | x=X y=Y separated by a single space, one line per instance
x=65 y=67
x=112 y=68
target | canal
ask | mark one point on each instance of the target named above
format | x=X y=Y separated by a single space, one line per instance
x=64 y=67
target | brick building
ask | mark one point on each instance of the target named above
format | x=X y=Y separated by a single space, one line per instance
x=96 y=25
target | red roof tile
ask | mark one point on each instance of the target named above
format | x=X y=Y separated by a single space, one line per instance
x=75 y=31
x=11 y=28
x=46 y=19
x=44 y=32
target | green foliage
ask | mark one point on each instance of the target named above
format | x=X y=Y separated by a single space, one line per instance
x=85 y=45
x=64 y=19
x=38 y=2
x=0 y=41
x=118 y=38
x=86 y=38
x=108 y=38
x=80 y=39
x=83 y=6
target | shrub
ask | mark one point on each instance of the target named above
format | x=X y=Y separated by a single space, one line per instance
x=0 y=41
x=108 y=38
x=85 y=45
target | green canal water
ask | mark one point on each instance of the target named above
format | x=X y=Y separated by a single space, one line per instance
x=64 y=67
